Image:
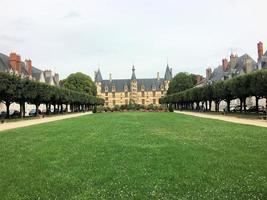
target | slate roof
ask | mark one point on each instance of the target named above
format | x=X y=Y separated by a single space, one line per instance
x=36 y=73
x=98 y=76
x=133 y=74
x=148 y=84
x=168 y=73
x=4 y=62
x=239 y=68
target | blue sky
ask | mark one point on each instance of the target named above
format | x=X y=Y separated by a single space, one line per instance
x=69 y=36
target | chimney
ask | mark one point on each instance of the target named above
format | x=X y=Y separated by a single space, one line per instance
x=198 y=78
x=225 y=64
x=260 y=50
x=29 y=66
x=158 y=78
x=110 y=77
x=208 y=73
x=13 y=61
x=47 y=73
x=57 y=78
x=18 y=64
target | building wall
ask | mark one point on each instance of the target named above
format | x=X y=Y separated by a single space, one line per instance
x=124 y=98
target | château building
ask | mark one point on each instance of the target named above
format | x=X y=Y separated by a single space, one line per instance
x=136 y=91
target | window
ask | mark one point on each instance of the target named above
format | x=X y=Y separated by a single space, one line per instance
x=114 y=102
x=143 y=94
x=106 y=93
x=126 y=94
x=126 y=101
x=113 y=94
x=154 y=101
x=106 y=98
x=107 y=104
x=143 y=101
x=161 y=92
x=154 y=93
x=106 y=88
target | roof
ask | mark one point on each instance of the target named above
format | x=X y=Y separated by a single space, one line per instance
x=4 y=62
x=36 y=73
x=168 y=73
x=239 y=68
x=133 y=74
x=98 y=76
x=148 y=84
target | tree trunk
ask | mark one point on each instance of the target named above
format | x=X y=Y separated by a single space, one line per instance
x=21 y=109
x=241 y=105
x=228 y=105
x=257 y=104
x=7 y=109
x=37 y=111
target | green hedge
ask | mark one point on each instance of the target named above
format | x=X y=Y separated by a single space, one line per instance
x=20 y=90
x=240 y=87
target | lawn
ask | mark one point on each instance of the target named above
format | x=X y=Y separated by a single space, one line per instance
x=134 y=156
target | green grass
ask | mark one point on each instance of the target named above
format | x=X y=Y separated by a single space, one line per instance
x=134 y=156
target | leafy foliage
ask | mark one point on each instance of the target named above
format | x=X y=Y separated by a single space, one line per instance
x=79 y=82
x=243 y=86
x=181 y=82
x=19 y=90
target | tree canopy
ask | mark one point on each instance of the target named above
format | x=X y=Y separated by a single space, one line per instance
x=79 y=82
x=181 y=82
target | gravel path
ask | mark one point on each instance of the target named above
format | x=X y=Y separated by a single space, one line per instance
x=255 y=122
x=23 y=123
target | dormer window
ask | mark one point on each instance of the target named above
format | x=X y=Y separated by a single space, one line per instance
x=125 y=88
x=142 y=87
x=106 y=88
x=113 y=88
x=153 y=87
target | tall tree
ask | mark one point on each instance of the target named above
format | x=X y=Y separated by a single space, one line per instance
x=79 y=82
x=181 y=82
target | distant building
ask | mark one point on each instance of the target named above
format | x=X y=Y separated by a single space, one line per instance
x=133 y=90
x=13 y=64
x=236 y=66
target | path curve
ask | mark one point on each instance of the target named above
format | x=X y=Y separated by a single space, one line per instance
x=24 y=123
x=254 y=122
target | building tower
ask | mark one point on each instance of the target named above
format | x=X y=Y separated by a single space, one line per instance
x=133 y=97
x=167 y=77
x=98 y=80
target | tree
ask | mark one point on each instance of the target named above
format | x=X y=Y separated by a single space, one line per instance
x=79 y=82
x=181 y=82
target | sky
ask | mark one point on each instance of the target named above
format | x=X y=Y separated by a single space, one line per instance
x=83 y=35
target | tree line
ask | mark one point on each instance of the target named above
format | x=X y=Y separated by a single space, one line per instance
x=240 y=87
x=23 y=90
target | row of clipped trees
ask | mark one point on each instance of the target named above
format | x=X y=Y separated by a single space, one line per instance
x=23 y=90
x=240 y=87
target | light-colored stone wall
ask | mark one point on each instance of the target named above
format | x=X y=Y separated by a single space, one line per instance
x=142 y=98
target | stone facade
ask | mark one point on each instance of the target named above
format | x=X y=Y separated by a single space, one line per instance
x=135 y=91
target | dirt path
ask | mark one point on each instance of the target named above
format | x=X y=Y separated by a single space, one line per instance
x=23 y=123
x=255 y=122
